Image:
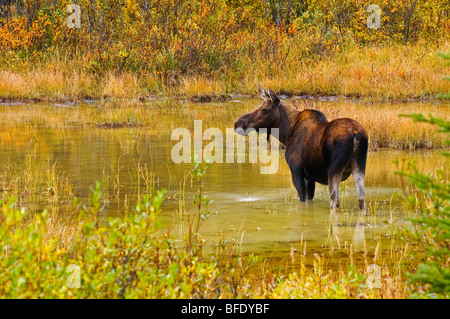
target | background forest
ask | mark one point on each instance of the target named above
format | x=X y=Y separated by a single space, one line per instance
x=137 y=48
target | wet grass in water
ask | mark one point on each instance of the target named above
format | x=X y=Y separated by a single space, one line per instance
x=133 y=257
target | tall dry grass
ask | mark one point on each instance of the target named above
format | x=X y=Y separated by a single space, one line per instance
x=374 y=72
x=46 y=84
x=382 y=72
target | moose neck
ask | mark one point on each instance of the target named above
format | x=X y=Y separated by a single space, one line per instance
x=288 y=116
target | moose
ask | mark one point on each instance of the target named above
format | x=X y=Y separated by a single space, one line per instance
x=316 y=150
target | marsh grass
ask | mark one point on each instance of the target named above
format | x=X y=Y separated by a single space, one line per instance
x=37 y=185
x=133 y=256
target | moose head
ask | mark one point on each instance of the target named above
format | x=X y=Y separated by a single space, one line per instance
x=265 y=116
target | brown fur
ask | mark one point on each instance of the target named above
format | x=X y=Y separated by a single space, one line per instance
x=316 y=150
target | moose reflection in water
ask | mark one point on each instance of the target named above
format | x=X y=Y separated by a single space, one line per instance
x=316 y=150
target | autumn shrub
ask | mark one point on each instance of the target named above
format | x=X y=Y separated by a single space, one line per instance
x=173 y=37
x=302 y=46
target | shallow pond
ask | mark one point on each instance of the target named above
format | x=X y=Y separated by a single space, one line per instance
x=260 y=211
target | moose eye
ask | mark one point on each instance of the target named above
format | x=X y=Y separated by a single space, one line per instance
x=265 y=110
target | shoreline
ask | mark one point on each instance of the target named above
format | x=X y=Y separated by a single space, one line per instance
x=208 y=98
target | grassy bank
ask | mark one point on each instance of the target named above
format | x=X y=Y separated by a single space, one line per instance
x=386 y=129
x=374 y=73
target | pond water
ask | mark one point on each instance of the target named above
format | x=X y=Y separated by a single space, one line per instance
x=260 y=211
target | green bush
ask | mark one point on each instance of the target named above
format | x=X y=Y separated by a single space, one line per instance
x=49 y=256
x=430 y=231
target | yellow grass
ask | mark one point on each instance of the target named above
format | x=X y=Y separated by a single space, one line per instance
x=200 y=86
x=375 y=72
x=46 y=84
x=121 y=86
x=380 y=72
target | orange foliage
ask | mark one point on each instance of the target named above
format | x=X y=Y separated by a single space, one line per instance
x=17 y=33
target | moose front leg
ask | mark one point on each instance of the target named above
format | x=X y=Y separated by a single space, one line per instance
x=299 y=181
x=310 y=188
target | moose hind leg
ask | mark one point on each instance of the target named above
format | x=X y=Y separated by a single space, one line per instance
x=335 y=172
x=358 y=177
x=333 y=186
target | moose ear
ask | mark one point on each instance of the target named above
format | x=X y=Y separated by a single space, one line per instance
x=263 y=93
x=275 y=98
